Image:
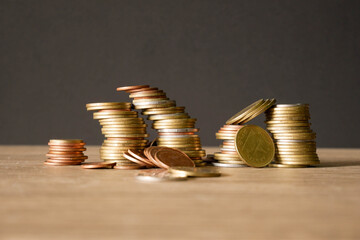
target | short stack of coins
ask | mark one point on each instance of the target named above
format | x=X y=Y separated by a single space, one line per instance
x=123 y=130
x=228 y=154
x=176 y=129
x=294 y=140
x=63 y=152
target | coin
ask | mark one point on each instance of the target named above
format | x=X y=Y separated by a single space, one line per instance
x=129 y=88
x=255 y=146
x=196 y=172
x=228 y=165
x=237 y=118
x=257 y=111
x=159 y=175
x=169 y=157
x=65 y=141
x=98 y=165
x=277 y=165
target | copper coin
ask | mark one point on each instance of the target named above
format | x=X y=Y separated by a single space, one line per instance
x=61 y=163
x=63 y=149
x=170 y=157
x=65 y=155
x=64 y=161
x=98 y=165
x=127 y=167
x=134 y=160
x=129 y=88
x=142 y=89
x=69 y=158
x=150 y=154
x=77 y=145
x=140 y=156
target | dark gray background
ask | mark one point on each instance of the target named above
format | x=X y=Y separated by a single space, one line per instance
x=214 y=57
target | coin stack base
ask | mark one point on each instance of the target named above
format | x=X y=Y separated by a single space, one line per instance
x=123 y=130
x=294 y=140
x=64 y=152
x=176 y=129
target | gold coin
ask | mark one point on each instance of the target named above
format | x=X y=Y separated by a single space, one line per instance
x=150 y=100
x=295 y=124
x=233 y=162
x=126 y=135
x=295 y=105
x=164 y=105
x=278 y=165
x=121 y=131
x=196 y=172
x=168 y=110
x=257 y=111
x=170 y=121
x=169 y=116
x=107 y=105
x=255 y=146
x=174 y=126
x=238 y=117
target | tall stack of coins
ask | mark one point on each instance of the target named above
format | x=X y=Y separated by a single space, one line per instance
x=230 y=156
x=176 y=129
x=294 y=140
x=64 y=152
x=123 y=130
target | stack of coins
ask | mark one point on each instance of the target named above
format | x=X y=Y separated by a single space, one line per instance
x=63 y=152
x=123 y=130
x=229 y=156
x=294 y=140
x=176 y=129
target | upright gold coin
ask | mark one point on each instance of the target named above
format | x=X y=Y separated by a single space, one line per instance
x=255 y=146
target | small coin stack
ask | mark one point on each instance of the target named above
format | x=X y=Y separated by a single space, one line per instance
x=63 y=152
x=123 y=130
x=230 y=155
x=294 y=140
x=176 y=129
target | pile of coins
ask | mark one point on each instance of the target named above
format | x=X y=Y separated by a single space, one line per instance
x=294 y=140
x=63 y=152
x=123 y=130
x=162 y=157
x=245 y=144
x=176 y=129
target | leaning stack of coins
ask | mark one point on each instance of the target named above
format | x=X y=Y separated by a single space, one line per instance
x=230 y=155
x=63 y=152
x=294 y=140
x=123 y=130
x=176 y=129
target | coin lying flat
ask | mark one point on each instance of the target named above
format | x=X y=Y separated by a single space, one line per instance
x=159 y=175
x=196 y=172
x=98 y=165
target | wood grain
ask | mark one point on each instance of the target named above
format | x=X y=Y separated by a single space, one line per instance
x=43 y=202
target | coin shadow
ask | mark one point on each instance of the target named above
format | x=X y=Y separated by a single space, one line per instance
x=339 y=164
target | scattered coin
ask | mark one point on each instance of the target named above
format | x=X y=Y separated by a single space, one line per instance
x=159 y=175
x=98 y=165
x=196 y=171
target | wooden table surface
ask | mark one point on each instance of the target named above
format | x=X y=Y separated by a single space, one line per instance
x=43 y=202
